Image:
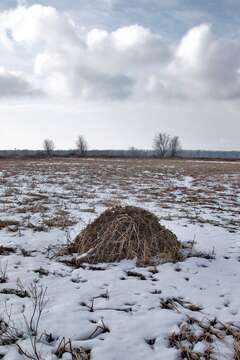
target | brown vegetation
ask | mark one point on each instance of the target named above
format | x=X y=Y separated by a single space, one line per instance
x=193 y=331
x=85 y=184
x=126 y=233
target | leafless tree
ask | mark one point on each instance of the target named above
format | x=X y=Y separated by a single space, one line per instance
x=48 y=146
x=132 y=151
x=82 y=146
x=174 y=146
x=161 y=143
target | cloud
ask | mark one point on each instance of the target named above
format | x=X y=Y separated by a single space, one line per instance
x=80 y=80
x=37 y=23
x=203 y=66
x=130 y=61
x=210 y=63
x=127 y=47
x=65 y=64
x=105 y=64
x=90 y=84
x=15 y=85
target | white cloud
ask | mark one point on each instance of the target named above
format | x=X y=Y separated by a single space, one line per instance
x=203 y=66
x=37 y=24
x=192 y=47
x=130 y=61
x=79 y=80
x=126 y=49
x=96 y=39
x=13 y=84
x=134 y=36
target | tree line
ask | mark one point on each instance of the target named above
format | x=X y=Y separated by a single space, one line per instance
x=163 y=145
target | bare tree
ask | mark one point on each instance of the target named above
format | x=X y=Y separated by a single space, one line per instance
x=82 y=146
x=132 y=151
x=48 y=146
x=174 y=146
x=161 y=143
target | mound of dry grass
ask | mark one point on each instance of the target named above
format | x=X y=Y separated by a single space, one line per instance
x=125 y=233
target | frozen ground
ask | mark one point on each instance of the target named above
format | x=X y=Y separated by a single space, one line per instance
x=119 y=311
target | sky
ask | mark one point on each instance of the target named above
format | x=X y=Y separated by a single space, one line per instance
x=118 y=72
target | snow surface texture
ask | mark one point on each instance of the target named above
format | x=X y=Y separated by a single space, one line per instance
x=47 y=203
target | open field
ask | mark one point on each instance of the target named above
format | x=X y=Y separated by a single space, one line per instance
x=120 y=311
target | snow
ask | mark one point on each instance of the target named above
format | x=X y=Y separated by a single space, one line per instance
x=129 y=307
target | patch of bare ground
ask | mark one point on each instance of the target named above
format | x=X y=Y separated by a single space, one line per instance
x=204 y=192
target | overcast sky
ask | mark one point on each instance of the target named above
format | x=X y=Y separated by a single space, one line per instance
x=119 y=71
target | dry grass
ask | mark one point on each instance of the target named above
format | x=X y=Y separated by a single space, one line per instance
x=208 y=332
x=66 y=347
x=174 y=303
x=125 y=233
x=7 y=223
x=237 y=348
x=6 y=250
x=87 y=183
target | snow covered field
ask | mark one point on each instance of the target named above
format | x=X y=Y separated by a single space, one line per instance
x=119 y=311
